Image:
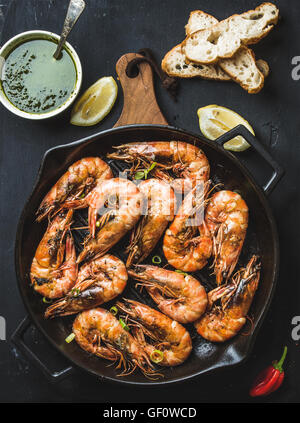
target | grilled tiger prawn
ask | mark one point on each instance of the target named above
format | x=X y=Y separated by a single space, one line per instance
x=226 y=217
x=161 y=204
x=164 y=334
x=180 y=296
x=183 y=247
x=98 y=282
x=75 y=184
x=187 y=162
x=124 y=207
x=98 y=332
x=49 y=275
x=221 y=323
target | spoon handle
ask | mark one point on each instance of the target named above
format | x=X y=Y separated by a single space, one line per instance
x=75 y=9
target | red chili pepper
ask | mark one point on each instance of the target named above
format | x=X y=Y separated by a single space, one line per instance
x=270 y=379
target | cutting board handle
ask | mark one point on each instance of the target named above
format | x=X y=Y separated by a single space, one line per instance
x=140 y=104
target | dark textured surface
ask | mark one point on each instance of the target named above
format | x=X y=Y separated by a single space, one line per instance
x=106 y=30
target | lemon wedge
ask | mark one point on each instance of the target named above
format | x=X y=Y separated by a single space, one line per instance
x=95 y=103
x=215 y=120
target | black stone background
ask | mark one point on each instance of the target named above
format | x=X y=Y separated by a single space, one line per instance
x=108 y=29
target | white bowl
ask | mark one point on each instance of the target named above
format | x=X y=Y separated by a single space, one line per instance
x=31 y=35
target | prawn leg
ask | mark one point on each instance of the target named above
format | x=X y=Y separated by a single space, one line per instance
x=164 y=334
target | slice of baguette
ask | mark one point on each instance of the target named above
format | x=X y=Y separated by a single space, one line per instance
x=242 y=67
x=223 y=39
x=174 y=64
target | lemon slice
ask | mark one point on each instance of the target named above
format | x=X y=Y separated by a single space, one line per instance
x=95 y=103
x=215 y=120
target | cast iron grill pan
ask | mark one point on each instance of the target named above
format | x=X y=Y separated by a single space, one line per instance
x=225 y=169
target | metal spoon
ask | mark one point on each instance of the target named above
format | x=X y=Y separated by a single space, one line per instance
x=76 y=7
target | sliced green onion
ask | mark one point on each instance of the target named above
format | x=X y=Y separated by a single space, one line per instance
x=156 y=260
x=181 y=272
x=114 y=310
x=123 y=324
x=70 y=337
x=75 y=292
x=82 y=195
x=149 y=169
x=156 y=356
x=139 y=175
x=46 y=300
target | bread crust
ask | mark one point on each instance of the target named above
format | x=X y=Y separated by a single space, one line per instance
x=222 y=76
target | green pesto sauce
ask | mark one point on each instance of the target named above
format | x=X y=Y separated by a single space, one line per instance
x=34 y=81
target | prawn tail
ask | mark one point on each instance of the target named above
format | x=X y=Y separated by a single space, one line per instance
x=133 y=249
x=70 y=259
x=131 y=256
x=66 y=248
x=218 y=264
x=60 y=258
x=70 y=248
x=57 y=309
x=92 y=218
x=85 y=255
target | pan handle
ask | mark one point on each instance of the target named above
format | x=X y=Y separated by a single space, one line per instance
x=18 y=339
x=278 y=171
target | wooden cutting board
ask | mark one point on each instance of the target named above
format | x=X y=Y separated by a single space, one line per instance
x=140 y=104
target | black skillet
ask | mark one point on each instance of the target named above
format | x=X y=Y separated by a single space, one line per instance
x=140 y=107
